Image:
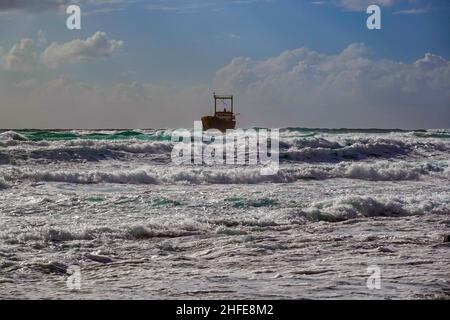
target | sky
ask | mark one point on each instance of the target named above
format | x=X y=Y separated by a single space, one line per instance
x=155 y=63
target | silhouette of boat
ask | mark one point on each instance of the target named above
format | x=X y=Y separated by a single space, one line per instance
x=221 y=120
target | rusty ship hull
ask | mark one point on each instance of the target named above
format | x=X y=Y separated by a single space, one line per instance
x=212 y=122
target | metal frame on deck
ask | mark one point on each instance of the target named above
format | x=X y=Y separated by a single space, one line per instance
x=223 y=98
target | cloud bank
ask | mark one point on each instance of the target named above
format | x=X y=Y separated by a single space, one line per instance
x=24 y=57
x=348 y=89
x=97 y=46
x=21 y=57
x=299 y=87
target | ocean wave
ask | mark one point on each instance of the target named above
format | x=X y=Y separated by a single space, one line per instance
x=92 y=177
x=3 y=184
x=352 y=207
x=4 y=158
x=140 y=232
x=333 y=210
x=343 y=130
x=165 y=134
x=94 y=151
x=76 y=151
x=53 y=234
x=88 y=233
x=314 y=143
x=376 y=171
x=149 y=176
x=95 y=135
x=391 y=171
x=355 y=151
x=131 y=147
x=72 y=154
x=434 y=133
x=324 y=148
x=12 y=135
x=446 y=172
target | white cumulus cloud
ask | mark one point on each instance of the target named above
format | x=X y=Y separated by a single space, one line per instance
x=348 y=89
x=97 y=46
x=21 y=57
x=24 y=56
x=299 y=87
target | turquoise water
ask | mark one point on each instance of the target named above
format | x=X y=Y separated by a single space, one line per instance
x=165 y=135
x=53 y=135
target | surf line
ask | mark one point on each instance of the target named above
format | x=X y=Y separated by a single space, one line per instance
x=234 y=147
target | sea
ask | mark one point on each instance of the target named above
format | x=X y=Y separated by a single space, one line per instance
x=107 y=214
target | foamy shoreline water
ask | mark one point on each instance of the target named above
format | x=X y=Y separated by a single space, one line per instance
x=341 y=201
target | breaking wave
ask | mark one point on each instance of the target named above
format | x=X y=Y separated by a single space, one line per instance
x=337 y=209
x=70 y=135
x=345 y=208
x=84 y=150
x=334 y=152
x=130 y=147
x=392 y=171
x=3 y=184
x=325 y=146
x=148 y=176
x=12 y=135
x=86 y=233
x=377 y=171
x=317 y=150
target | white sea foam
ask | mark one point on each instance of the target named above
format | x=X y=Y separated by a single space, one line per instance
x=86 y=233
x=3 y=184
x=351 y=207
x=150 y=176
x=324 y=148
x=391 y=171
x=92 y=151
x=89 y=177
x=371 y=171
x=132 y=146
x=341 y=200
x=355 y=151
